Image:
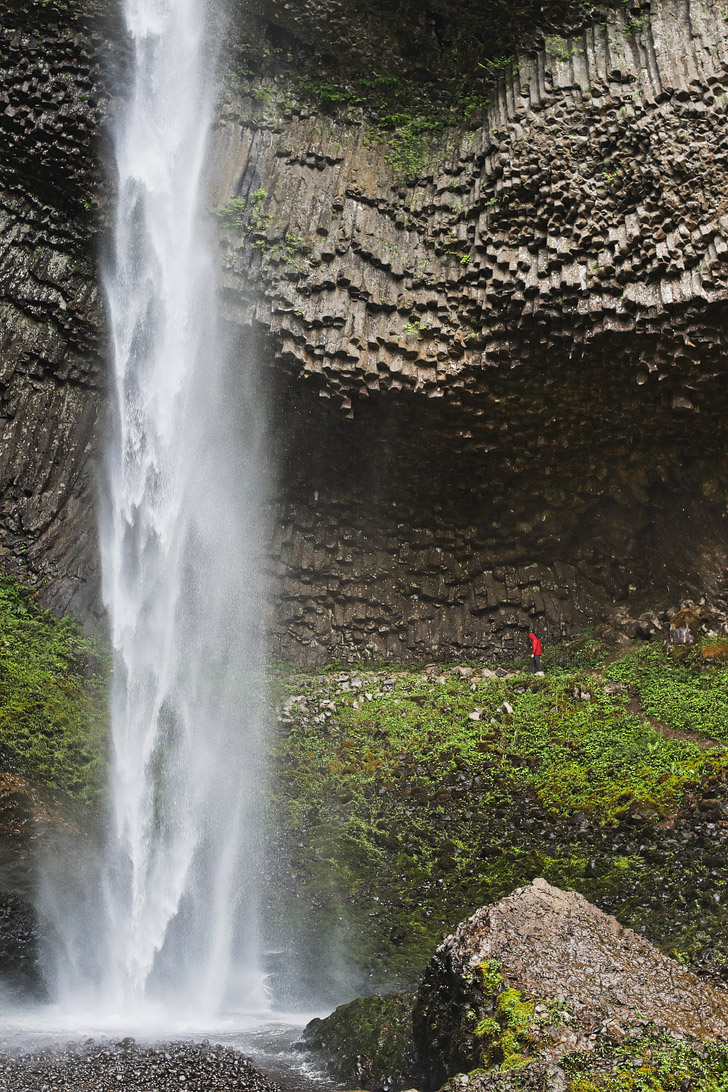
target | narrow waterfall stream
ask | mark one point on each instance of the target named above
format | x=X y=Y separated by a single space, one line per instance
x=169 y=917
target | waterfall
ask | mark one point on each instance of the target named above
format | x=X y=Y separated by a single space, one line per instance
x=169 y=915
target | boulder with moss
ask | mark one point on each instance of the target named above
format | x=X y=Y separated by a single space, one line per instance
x=368 y=1043
x=542 y=975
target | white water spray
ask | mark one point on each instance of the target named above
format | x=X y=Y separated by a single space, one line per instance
x=170 y=916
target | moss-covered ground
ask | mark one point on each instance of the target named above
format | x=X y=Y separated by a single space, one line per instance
x=647 y=1060
x=53 y=718
x=409 y=797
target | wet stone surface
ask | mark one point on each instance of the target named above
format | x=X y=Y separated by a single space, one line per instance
x=94 y=1067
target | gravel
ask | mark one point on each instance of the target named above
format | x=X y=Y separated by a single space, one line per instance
x=126 y=1066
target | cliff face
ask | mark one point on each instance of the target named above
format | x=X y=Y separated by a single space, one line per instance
x=491 y=331
x=51 y=339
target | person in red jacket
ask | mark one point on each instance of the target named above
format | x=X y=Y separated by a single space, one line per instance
x=536 y=650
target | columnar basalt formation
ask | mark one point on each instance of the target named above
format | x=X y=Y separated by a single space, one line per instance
x=51 y=339
x=526 y=341
x=493 y=351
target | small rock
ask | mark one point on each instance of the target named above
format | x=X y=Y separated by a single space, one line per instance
x=614 y=688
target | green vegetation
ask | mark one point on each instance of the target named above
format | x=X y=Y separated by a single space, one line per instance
x=295 y=246
x=403 y=121
x=407 y=799
x=494 y=66
x=686 y=688
x=649 y=1062
x=248 y=216
x=232 y=214
x=406 y=139
x=368 y=1040
x=53 y=719
x=325 y=92
x=506 y=1038
x=557 y=47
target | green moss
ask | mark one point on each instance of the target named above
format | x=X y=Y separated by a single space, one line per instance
x=491 y=976
x=368 y=1041
x=650 y=1062
x=406 y=138
x=53 y=721
x=401 y=814
x=506 y=1038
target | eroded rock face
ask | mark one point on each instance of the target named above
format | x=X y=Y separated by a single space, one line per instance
x=513 y=340
x=52 y=103
x=548 y=964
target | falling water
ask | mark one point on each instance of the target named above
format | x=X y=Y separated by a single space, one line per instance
x=169 y=915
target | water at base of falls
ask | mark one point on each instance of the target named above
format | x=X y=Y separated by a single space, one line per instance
x=270 y=1041
x=160 y=922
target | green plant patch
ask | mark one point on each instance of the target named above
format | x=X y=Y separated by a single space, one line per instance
x=53 y=707
x=681 y=687
x=649 y=1062
x=506 y=1038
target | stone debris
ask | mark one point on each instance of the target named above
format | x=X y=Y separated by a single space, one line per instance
x=101 y=1067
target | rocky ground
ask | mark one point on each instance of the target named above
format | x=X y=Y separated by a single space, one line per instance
x=125 y=1065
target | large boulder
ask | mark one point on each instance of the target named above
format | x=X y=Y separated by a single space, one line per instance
x=368 y=1042
x=542 y=974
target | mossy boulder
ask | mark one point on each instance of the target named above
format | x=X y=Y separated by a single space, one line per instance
x=542 y=974
x=368 y=1043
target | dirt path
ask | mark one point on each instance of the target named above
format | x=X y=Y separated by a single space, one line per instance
x=699 y=739
x=635 y=706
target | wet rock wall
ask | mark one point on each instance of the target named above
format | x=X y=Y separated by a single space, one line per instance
x=51 y=339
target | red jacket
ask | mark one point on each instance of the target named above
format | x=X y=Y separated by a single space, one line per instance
x=536 y=649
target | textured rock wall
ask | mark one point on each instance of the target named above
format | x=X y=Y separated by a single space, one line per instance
x=51 y=105
x=496 y=388
x=516 y=358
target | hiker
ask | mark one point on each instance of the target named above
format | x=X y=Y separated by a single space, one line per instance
x=536 y=651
